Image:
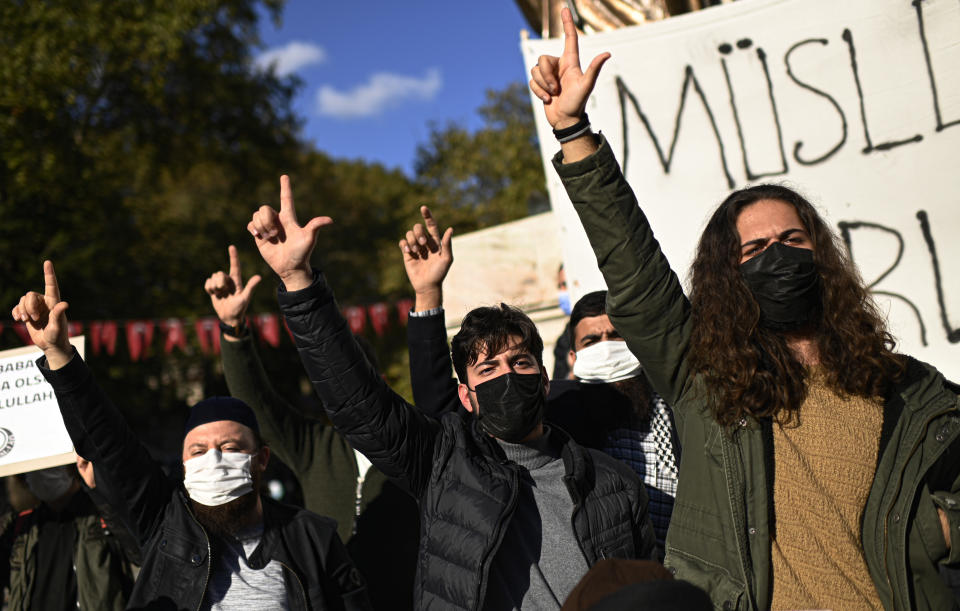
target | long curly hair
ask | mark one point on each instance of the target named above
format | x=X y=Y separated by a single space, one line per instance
x=749 y=370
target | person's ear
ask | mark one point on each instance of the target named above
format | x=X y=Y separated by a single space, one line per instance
x=263 y=457
x=464 y=393
x=571 y=358
x=546 y=381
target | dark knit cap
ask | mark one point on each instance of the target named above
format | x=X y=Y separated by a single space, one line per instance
x=221 y=408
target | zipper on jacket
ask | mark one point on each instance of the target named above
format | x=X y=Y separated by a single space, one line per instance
x=886 y=518
x=358 y=501
x=726 y=447
x=76 y=580
x=303 y=592
x=577 y=505
x=498 y=539
x=206 y=538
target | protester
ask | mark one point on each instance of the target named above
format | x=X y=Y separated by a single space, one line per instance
x=820 y=467
x=372 y=513
x=609 y=407
x=613 y=405
x=64 y=553
x=512 y=512
x=216 y=543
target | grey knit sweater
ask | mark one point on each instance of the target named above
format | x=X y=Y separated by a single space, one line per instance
x=540 y=560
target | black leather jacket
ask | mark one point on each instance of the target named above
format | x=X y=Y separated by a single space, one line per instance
x=176 y=550
x=466 y=487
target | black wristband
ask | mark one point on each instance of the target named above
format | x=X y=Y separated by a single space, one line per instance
x=237 y=331
x=578 y=128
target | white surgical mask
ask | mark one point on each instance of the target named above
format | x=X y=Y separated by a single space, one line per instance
x=605 y=362
x=50 y=484
x=218 y=477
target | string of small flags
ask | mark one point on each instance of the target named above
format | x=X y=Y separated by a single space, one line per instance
x=103 y=336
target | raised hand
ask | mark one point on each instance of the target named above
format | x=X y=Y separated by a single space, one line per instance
x=427 y=258
x=560 y=83
x=228 y=294
x=46 y=319
x=283 y=243
x=85 y=468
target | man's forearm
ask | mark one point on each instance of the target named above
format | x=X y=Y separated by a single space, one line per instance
x=58 y=357
x=428 y=299
x=579 y=148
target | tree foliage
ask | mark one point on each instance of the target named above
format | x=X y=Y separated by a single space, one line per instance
x=490 y=176
x=135 y=134
x=136 y=139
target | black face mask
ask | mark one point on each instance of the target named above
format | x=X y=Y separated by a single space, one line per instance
x=510 y=406
x=786 y=284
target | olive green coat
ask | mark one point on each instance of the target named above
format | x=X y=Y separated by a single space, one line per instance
x=719 y=536
x=104 y=578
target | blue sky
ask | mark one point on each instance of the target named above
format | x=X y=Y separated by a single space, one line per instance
x=377 y=73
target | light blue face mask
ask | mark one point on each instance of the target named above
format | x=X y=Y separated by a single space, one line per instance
x=564 y=298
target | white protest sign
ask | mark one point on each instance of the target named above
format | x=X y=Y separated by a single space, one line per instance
x=855 y=103
x=32 y=435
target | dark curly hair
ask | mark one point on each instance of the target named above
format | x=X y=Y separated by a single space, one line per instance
x=489 y=329
x=749 y=370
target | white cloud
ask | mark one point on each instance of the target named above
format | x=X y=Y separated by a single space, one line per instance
x=382 y=91
x=291 y=57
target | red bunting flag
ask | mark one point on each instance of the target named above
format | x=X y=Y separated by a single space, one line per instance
x=176 y=335
x=356 y=318
x=208 y=332
x=403 y=310
x=21 y=330
x=379 y=317
x=139 y=333
x=139 y=336
x=269 y=328
x=103 y=333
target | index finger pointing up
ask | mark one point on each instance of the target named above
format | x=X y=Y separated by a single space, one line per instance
x=570 y=42
x=286 y=198
x=51 y=288
x=234 y=265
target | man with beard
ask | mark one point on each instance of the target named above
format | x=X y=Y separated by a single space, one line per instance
x=821 y=468
x=216 y=543
x=513 y=513
x=612 y=407
x=372 y=513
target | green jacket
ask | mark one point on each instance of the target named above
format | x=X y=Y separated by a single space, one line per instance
x=104 y=577
x=719 y=536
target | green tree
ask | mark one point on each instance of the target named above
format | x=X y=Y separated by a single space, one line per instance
x=490 y=176
x=136 y=140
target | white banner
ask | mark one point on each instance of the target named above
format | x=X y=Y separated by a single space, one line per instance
x=32 y=435
x=856 y=104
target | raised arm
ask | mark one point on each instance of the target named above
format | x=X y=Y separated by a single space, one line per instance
x=136 y=487
x=395 y=436
x=427 y=258
x=291 y=435
x=645 y=300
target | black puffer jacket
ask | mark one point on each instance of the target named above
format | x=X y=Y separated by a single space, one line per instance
x=466 y=487
x=176 y=551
